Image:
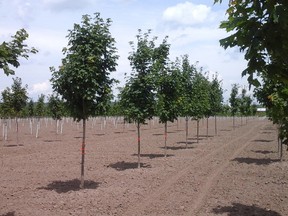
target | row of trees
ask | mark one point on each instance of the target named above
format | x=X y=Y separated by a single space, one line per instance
x=156 y=86
x=259 y=28
x=15 y=104
x=159 y=87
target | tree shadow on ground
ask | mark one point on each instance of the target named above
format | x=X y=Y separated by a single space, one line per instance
x=205 y=136
x=238 y=209
x=266 y=132
x=225 y=130
x=121 y=166
x=120 y=132
x=256 y=161
x=184 y=142
x=13 y=145
x=9 y=214
x=152 y=156
x=263 y=140
x=49 y=141
x=195 y=138
x=174 y=148
x=70 y=185
x=158 y=134
x=101 y=134
x=263 y=152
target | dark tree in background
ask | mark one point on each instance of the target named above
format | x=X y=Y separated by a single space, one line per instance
x=216 y=98
x=234 y=102
x=18 y=99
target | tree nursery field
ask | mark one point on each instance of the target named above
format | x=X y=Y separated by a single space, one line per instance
x=236 y=172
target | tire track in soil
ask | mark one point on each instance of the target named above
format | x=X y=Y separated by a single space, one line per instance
x=211 y=179
x=138 y=208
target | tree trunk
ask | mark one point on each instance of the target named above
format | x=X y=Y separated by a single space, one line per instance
x=17 y=130
x=233 y=122
x=281 y=150
x=186 y=132
x=207 y=127
x=198 y=130
x=83 y=154
x=165 y=137
x=215 y=124
x=138 y=130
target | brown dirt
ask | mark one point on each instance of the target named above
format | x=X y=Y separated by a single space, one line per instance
x=236 y=173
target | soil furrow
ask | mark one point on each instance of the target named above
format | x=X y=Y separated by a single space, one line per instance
x=142 y=204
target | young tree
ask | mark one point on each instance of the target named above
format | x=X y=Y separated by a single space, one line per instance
x=187 y=72
x=10 y=52
x=40 y=111
x=200 y=98
x=245 y=104
x=216 y=98
x=83 y=79
x=234 y=102
x=138 y=95
x=168 y=94
x=6 y=109
x=18 y=99
x=55 y=106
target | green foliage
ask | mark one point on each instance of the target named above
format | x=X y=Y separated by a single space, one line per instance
x=30 y=108
x=14 y=99
x=245 y=104
x=138 y=100
x=216 y=96
x=6 y=105
x=56 y=107
x=260 y=29
x=194 y=90
x=83 y=79
x=200 y=103
x=274 y=96
x=233 y=100
x=187 y=72
x=40 y=108
x=11 y=51
x=19 y=96
x=146 y=60
x=168 y=95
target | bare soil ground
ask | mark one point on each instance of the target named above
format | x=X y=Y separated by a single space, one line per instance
x=234 y=173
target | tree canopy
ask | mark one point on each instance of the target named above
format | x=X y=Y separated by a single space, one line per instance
x=11 y=51
x=83 y=80
x=259 y=28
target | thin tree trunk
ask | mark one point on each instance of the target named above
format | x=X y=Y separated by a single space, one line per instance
x=165 y=137
x=215 y=118
x=207 y=127
x=31 y=126
x=17 y=131
x=37 y=127
x=186 y=132
x=233 y=122
x=83 y=154
x=138 y=130
x=198 y=130
x=281 y=150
